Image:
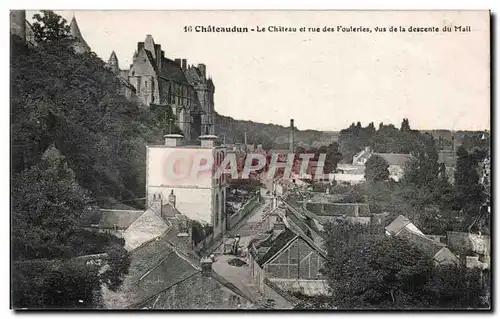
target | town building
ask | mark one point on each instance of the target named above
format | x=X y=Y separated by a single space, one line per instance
x=160 y=82
x=171 y=170
x=289 y=257
x=403 y=228
x=396 y=162
x=80 y=45
x=21 y=27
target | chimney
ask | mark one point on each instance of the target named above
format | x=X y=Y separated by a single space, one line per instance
x=208 y=141
x=171 y=198
x=185 y=229
x=206 y=266
x=162 y=54
x=203 y=69
x=156 y=204
x=178 y=61
x=173 y=140
x=140 y=45
x=158 y=56
x=292 y=136
x=184 y=64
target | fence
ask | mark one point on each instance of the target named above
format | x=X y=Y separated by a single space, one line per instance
x=244 y=210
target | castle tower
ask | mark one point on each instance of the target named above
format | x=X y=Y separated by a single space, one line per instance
x=134 y=57
x=18 y=23
x=81 y=46
x=113 y=63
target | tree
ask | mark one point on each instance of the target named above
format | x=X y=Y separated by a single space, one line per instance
x=365 y=269
x=50 y=27
x=423 y=168
x=468 y=191
x=73 y=100
x=47 y=205
x=405 y=125
x=376 y=169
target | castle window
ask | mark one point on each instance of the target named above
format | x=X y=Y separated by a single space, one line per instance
x=146 y=85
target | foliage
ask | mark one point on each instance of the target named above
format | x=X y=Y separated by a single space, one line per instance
x=467 y=188
x=55 y=285
x=118 y=265
x=376 y=169
x=367 y=270
x=47 y=205
x=73 y=100
x=387 y=139
x=269 y=135
x=50 y=27
x=74 y=138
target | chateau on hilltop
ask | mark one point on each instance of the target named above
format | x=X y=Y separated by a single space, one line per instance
x=162 y=82
x=153 y=79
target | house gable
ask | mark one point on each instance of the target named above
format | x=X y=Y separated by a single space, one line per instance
x=297 y=260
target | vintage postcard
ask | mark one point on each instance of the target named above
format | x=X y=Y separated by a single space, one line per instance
x=242 y=160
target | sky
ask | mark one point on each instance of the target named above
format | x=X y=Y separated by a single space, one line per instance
x=324 y=80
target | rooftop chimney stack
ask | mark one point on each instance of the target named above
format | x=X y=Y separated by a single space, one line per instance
x=292 y=136
x=178 y=61
x=184 y=64
x=171 y=198
x=208 y=141
x=203 y=69
x=140 y=45
x=158 y=56
x=173 y=140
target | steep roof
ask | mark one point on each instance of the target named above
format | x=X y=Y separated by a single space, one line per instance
x=194 y=75
x=113 y=58
x=154 y=267
x=199 y=291
x=445 y=257
x=145 y=228
x=170 y=70
x=427 y=245
x=395 y=159
x=81 y=46
x=397 y=225
x=120 y=219
x=277 y=244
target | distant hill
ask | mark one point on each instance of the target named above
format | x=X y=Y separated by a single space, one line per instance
x=269 y=135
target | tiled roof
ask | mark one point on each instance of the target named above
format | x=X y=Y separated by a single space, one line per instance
x=194 y=75
x=199 y=291
x=82 y=45
x=395 y=159
x=121 y=219
x=148 y=226
x=154 y=267
x=169 y=211
x=444 y=257
x=283 y=239
x=397 y=225
x=170 y=70
x=427 y=245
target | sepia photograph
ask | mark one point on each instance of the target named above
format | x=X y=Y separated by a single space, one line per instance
x=243 y=160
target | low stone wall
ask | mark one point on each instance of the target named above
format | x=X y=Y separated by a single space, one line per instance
x=244 y=210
